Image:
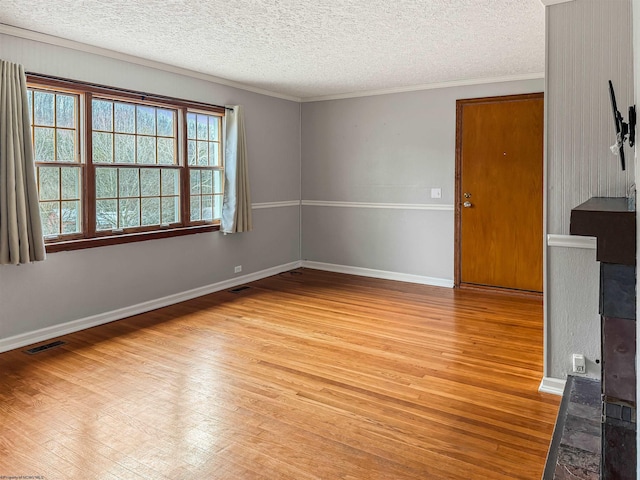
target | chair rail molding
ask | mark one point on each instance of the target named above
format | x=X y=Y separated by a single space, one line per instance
x=571 y=241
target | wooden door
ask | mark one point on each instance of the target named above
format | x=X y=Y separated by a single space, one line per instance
x=499 y=192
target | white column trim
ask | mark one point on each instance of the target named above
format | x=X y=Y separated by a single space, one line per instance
x=571 y=241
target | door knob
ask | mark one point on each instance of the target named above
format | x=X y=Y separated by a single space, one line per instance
x=466 y=204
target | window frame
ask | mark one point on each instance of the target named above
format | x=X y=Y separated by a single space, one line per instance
x=90 y=237
x=77 y=163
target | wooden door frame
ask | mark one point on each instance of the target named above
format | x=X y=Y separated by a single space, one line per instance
x=457 y=251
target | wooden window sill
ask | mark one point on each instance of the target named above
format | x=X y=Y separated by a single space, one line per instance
x=118 y=239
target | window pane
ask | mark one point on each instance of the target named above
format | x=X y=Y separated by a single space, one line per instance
x=203 y=127
x=195 y=208
x=102 y=115
x=106 y=214
x=30 y=99
x=71 y=217
x=125 y=118
x=129 y=214
x=146 y=120
x=170 y=182
x=165 y=122
x=191 y=153
x=70 y=183
x=102 y=147
x=195 y=182
x=206 y=179
x=151 y=211
x=49 y=183
x=166 y=151
x=217 y=181
x=170 y=210
x=217 y=206
x=44 y=109
x=207 y=207
x=44 y=144
x=128 y=184
x=146 y=150
x=214 y=127
x=214 y=154
x=125 y=148
x=150 y=182
x=106 y=182
x=203 y=154
x=50 y=218
x=65 y=111
x=191 y=125
x=66 y=145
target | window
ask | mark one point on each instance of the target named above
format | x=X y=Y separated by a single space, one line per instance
x=139 y=138
x=204 y=156
x=120 y=167
x=54 y=120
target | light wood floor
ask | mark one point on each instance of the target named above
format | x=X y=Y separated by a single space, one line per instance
x=306 y=375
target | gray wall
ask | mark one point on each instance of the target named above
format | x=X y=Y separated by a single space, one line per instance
x=588 y=43
x=73 y=285
x=387 y=149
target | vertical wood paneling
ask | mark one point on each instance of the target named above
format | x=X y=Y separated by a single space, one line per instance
x=589 y=43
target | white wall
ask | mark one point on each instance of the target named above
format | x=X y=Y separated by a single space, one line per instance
x=588 y=43
x=74 y=285
x=387 y=149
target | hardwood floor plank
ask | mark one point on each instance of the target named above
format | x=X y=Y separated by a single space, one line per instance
x=305 y=375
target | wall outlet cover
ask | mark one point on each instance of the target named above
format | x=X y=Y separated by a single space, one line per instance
x=579 y=365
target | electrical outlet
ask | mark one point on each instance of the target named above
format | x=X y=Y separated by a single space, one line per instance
x=237 y=269
x=436 y=193
x=579 y=363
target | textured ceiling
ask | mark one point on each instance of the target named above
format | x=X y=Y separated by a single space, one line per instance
x=307 y=48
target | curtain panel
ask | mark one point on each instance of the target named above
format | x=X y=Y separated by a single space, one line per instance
x=236 y=206
x=21 y=239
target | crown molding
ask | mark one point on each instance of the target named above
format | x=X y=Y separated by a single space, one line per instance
x=83 y=47
x=428 y=86
x=548 y=3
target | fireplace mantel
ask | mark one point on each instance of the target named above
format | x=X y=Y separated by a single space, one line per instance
x=614 y=225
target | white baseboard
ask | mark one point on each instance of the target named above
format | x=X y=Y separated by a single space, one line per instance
x=552 y=385
x=29 y=338
x=386 y=275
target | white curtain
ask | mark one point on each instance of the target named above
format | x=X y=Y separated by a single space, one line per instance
x=21 y=238
x=236 y=206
